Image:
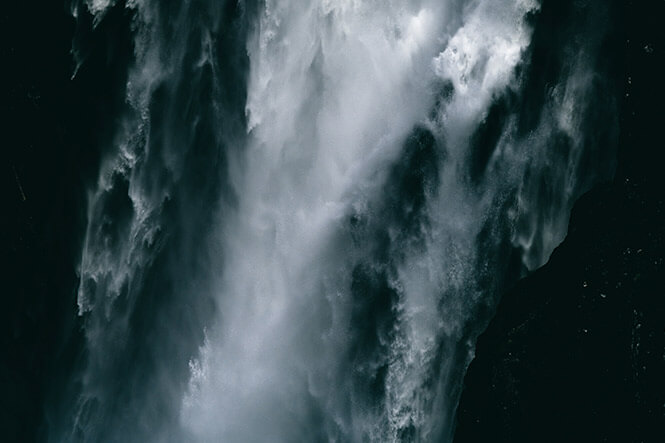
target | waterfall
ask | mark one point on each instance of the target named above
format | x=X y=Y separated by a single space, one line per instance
x=308 y=211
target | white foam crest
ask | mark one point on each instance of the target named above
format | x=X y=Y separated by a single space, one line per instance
x=480 y=59
x=99 y=7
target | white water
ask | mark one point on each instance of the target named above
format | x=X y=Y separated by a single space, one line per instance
x=335 y=88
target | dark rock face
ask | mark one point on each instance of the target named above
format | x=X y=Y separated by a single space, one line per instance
x=576 y=351
x=50 y=132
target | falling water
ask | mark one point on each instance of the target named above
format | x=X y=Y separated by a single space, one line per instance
x=309 y=208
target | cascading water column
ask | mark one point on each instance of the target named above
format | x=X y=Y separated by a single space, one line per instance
x=335 y=250
x=374 y=219
x=334 y=90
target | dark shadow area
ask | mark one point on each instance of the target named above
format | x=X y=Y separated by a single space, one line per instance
x=576 y=351
x=51 y=127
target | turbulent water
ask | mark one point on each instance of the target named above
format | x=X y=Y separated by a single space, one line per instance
x=308 y=209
